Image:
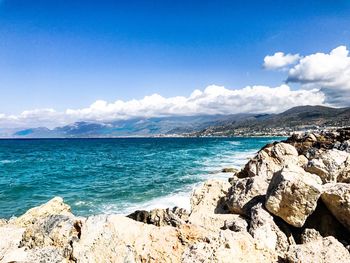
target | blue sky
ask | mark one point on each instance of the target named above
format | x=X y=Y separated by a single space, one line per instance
x=69 y=54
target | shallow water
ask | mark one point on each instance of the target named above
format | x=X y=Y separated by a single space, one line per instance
x=114 y=175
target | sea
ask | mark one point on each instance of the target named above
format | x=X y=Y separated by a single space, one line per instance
x=117 y=175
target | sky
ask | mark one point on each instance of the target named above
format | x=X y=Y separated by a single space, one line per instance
x=64 y=61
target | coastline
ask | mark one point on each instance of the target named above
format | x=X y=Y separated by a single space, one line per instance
x=255 y=216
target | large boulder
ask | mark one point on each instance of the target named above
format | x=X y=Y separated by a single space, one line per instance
x=271 y=159
x=58 y=231
x=120 y=239
x=344 y=174
x=245 y=193
x=326 y=224
x=229 y=247
x=292 y=195
x=10 y=239
x=337 y=198
x=209 y=207
x=266 y=232
x=319 y=250
x=55 y=206
x=327 y=165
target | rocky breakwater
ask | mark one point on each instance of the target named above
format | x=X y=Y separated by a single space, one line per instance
x=290 y=203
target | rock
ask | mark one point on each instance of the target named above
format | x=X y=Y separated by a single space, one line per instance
x=309 y=235
x=228 y=247
x=10 y=240
x=266 y=233
x=236 y=224
x=345 y=146
x=270 y=160
x=58 y=231
x=209 y=207
x=321 y=250
x=229 y=170
x=3 y=222
x=161 y=217
x=121 y=239
x=328 y=165
x=245 y=193
x=344 y=173
x=54 y=207
x=337 y=199
x=326 y=224
x=292 y=195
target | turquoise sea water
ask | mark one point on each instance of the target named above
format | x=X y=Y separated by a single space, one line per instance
x=114 y=175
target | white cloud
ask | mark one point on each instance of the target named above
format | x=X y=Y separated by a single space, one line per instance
x=279 y=60
x=330 y=73
x=212 y=100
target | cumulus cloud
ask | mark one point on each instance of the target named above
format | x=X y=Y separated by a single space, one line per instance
x=212 y=100
x=279 y=60
x=330 y=73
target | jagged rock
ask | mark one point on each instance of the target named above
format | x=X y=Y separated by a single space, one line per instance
x=328 y=165
x=272 y=159
x=321 y=250
x=236 y=224
x=10 y=238
x=228 y=247
x=344 y=174
x=326 y=224
x=209 y=207
x=246 y=192
x=337 y=199
x=3 y=222
x=266 y=233
x=161 y=217
x=229 y=170
x=54 y=207
x=309 y=235
x=121 y=239
x=293 y=194
x=58 y=231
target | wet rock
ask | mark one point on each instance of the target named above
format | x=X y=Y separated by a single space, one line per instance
x=292 y=195
x=337 y=199
x=245 y=193
x=229 y=170
x=161 y=217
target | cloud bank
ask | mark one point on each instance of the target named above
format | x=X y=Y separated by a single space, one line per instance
x=212 y=100
x=330 y=73
x=280 y=60
x=323 y=78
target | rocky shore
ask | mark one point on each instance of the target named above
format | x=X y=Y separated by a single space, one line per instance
x=290 y=203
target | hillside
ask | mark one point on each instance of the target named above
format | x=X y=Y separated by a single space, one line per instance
x=297 y=118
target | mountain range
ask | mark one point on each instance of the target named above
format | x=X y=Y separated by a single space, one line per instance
x=302 y=117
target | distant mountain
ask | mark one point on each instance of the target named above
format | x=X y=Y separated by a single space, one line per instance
x=132 y=127
x=297 y=118
x=204 y=125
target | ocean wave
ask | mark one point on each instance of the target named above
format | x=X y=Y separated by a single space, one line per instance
x=7 y=161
